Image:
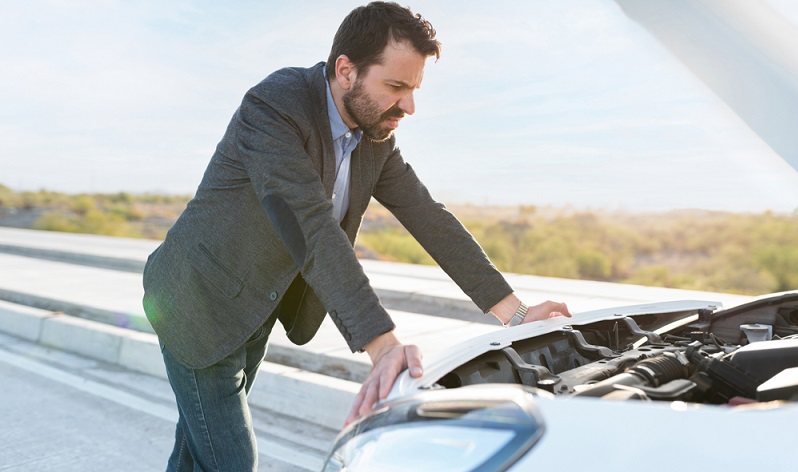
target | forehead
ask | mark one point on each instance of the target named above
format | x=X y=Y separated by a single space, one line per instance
x=401 y=63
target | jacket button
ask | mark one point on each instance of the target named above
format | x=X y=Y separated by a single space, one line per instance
x=273 y=296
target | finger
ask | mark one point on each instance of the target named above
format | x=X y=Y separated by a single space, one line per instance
x=350 y=418
x=413 y=356
x=559 y=308
x=369 y=399
x=565 y=311
x=354 y=411
x=387 y=378
x=556 y=309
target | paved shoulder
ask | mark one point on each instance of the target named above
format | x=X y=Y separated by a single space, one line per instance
x=63 y=412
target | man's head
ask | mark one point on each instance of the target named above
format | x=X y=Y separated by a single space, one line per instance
x=366 y=31
x=377 y=61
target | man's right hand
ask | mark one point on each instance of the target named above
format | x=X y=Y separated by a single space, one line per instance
x=389 y=358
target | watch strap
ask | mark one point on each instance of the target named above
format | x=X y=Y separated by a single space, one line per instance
x=518 y=316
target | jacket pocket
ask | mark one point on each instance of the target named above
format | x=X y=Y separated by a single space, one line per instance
x=216 y=273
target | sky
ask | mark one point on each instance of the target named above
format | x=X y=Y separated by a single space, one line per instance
x=566 y=103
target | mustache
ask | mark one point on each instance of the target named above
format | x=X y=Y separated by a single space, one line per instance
x=393 y=112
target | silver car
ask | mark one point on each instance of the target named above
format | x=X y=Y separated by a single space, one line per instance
x=651 y=387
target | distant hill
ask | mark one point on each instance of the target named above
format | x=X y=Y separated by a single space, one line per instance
x=743 y=253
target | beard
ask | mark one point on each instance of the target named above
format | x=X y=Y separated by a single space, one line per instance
x=367 y=115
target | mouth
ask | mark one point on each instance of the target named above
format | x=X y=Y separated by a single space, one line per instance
x=392 y=117
x=392 y=123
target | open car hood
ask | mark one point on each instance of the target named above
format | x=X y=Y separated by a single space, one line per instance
x=655 y=387
x=568 y=355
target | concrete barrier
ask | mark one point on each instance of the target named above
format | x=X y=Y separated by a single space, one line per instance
x=306 y=395
x=88 y=338
x=22 y=321
x=142 y=353
x=290 y=391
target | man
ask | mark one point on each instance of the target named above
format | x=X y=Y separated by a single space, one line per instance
x=270 y=234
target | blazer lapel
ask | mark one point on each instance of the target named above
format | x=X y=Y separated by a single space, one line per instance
x=360 y=186
x=362 y=161
x=360 y=177
x=323 y=125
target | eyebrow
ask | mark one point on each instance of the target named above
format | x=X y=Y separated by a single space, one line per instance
x=402 y=83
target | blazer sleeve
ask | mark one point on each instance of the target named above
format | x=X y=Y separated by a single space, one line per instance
x=440 y=233
x=269 y=141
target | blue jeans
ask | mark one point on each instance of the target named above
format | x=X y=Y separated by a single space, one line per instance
x=214 y=430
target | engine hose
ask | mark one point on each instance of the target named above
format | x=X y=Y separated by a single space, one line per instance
x=652 y=372
x=661 y=369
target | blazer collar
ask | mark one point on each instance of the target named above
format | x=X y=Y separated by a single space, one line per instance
x=361 y=161
x=318 y=84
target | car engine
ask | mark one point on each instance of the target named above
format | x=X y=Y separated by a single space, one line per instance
x=741 y=355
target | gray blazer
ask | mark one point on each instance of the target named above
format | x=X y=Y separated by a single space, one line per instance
x=260 y=231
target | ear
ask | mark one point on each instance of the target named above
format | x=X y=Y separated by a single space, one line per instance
x=345 y=72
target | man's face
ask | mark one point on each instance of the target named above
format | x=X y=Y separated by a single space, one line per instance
x=383 y=95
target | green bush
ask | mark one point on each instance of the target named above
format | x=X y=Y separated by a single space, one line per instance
x=8 y=198
x=701 y=250
x=396 y=245
x=780 y=262
x=90 y=222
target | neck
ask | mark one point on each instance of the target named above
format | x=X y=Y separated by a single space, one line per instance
x=338 y=98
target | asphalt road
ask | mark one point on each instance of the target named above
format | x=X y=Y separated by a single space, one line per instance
x=62 y=412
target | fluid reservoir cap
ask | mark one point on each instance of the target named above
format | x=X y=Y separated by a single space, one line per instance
x=757 y=332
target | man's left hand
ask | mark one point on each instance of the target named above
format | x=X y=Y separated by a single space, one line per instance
x=547 y=309
x=505 y=309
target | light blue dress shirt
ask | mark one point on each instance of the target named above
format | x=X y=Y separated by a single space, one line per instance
x=344 y=142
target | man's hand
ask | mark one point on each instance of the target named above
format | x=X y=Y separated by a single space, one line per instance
x=389 y=358
x=547 y=309
x=505 y=309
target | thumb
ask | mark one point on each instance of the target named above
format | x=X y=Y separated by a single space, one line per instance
x=413 y=357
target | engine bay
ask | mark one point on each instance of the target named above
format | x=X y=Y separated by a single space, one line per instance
x=745 y=354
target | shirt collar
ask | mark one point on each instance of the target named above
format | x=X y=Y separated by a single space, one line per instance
x=337 y=125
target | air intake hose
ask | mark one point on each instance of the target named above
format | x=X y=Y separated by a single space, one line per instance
x=652 y=372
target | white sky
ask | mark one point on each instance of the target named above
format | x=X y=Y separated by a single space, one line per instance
x=538 y=102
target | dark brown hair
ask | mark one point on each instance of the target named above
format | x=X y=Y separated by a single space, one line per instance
x=366 y=31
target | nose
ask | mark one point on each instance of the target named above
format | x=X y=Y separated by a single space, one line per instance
x=407 y=104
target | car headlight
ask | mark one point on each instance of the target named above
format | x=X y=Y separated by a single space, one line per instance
x=476 y=428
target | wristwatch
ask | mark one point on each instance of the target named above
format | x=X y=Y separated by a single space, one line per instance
x=518 y=317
